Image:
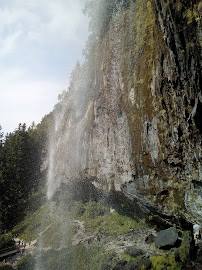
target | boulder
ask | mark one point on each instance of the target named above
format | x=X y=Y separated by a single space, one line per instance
x=166 y=238
x=133 y=251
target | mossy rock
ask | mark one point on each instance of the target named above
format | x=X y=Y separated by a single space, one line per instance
x=168 y=261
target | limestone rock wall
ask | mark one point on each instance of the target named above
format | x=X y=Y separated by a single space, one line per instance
x=140 y=132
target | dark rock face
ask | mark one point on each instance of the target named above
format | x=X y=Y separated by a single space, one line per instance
x=166 y=238
x=199 y=253
x=133 y=251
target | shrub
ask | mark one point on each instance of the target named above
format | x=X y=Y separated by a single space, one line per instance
x=168 y=261
x=6 y=240
x=78 y=209
x=6 y=267
x=111 y=224
x=95 y=209
x=182 y=249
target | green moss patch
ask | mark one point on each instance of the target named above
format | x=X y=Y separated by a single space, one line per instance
x=168 y=261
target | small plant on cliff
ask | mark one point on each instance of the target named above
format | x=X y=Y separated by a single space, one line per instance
x=192 y=15
x=183 y=247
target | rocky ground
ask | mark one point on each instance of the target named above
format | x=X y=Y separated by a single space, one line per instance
x=139 y=244
x=121 y=243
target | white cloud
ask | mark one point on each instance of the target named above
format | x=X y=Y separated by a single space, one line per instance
x=7 y=44
x=39 y=34
x=44 y=21
x=24 y=101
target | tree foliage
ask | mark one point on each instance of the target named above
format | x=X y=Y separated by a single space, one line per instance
x=21 y=155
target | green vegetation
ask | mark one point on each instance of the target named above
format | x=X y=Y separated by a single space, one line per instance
x=76 y=258
x=53 y=228
x=129 y=258
x=184 y=246
x=6 y=267
x=168 y=261
x=56 y=231
x=98 y=219
x=21 y=155
x=192 y=14
x=33 y=223
x=26 y=263
x=6 y=240
x=111 y=224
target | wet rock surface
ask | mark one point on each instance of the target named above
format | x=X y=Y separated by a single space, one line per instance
x=139 y=130
x=166 y=238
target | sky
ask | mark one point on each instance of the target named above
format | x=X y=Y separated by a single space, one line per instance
x=40 y=43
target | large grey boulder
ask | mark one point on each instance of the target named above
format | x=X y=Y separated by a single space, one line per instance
x=166 y=238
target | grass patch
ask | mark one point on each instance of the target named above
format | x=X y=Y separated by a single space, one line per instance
x=74 y=258
x=112 y=224
x=98 y=219
x=34 y=223
x=47 y=224
x=58 y=234
x=26 y=263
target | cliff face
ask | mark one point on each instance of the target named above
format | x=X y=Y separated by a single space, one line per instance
x=133 y=124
